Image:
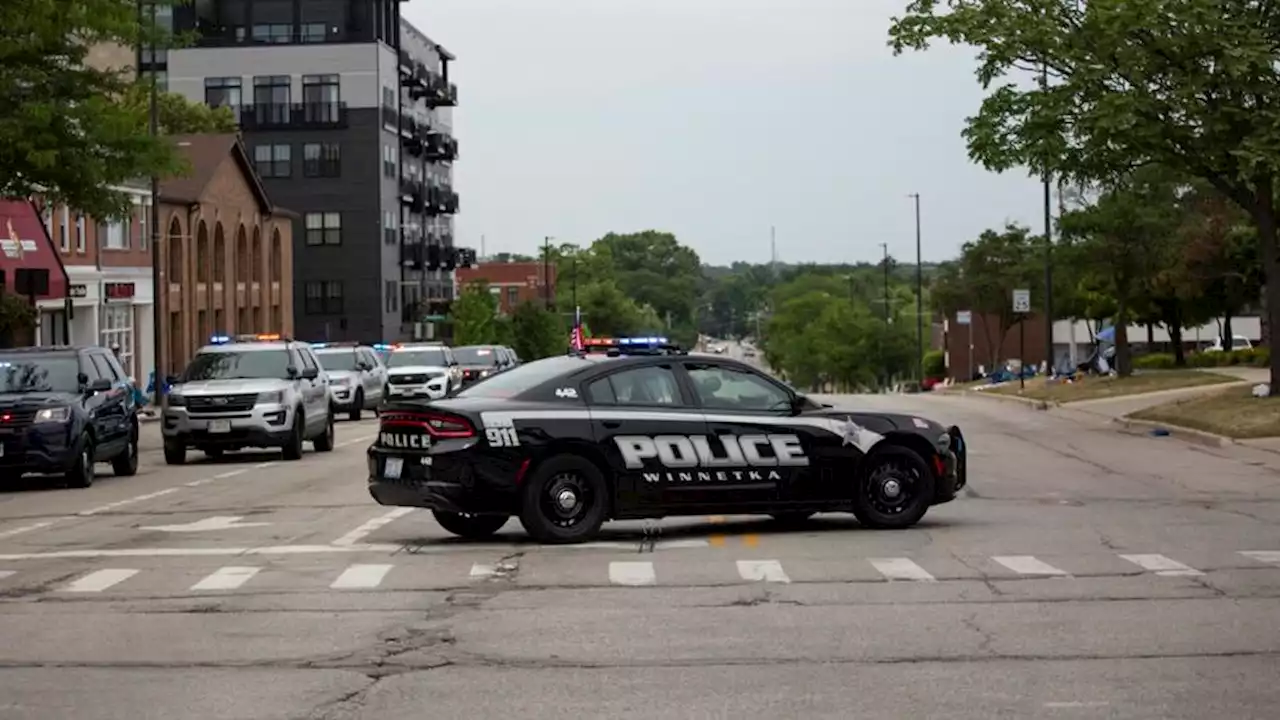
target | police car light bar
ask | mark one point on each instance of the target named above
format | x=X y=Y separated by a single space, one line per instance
x=220 y=339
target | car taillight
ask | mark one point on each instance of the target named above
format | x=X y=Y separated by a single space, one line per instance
x=439 y=425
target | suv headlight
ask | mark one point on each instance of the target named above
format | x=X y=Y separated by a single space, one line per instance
x=344 y=380
x=484 y=373
x=54 y=414
x=271 y=398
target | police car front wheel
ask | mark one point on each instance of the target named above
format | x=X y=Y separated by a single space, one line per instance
x=472 y=527
x=895 y=490
x=565 y=500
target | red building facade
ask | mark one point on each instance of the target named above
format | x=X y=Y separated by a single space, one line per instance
x=513 y=283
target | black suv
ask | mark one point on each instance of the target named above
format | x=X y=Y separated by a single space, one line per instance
x=63 y=409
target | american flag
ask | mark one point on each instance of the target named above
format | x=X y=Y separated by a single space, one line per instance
x=575 y=336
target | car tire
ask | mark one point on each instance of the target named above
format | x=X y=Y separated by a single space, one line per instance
x=80 y=475
x=542 y=510
x=324 y=442
x=175 y=453
x=357 y=408
x=293 y=447
x=895 y=489
x=791 y=519
x=471 y=527
x=126 y=463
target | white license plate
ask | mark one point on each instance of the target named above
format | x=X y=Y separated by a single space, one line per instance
x=219 y=426
x=391 y=469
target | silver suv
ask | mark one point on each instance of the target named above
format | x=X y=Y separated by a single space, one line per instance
x=356 y=376
x=254 y=391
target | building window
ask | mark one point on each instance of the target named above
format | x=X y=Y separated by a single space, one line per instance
x=162 y=79
x=273 y=33
x=271 y=99
x=112 y=235
x=64 y=230
x=314 y=32
x=324 y=228
x=513 y=298
x=273 y=161
x=322 y=160
x=324 y=298
x=320 y=98
x=116 y=322
x=390 y=116
x=224 y=92
x=80 y=239
x=388 y=161
x=393 y=296
x=390 y=224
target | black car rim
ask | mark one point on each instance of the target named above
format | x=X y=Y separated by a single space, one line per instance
x=893 y=487
x=567 y=500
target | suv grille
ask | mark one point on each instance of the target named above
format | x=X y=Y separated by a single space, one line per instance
x=417 y=379
x=221 y=403
x=16 y=417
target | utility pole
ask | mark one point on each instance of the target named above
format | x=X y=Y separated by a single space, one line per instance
x=157 y=315
x=884 y=337
x=773 y=253
x=482 y=255
x=574 y=286
x=1048 y=254
x=919 y=297
x=546 y=271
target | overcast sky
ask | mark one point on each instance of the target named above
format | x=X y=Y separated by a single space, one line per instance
x=714 y=120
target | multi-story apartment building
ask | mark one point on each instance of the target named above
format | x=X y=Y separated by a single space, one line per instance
x=344 y=108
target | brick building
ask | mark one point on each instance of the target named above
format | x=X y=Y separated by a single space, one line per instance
x=512 y=282
x=227 y=253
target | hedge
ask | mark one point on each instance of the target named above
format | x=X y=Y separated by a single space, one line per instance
x=1255 y=357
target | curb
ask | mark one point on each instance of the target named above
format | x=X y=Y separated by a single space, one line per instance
x=1032 y=402
x=1199 y=437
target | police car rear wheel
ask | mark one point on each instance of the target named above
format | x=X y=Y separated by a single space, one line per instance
x=565 y=501
x=895 y=490
x=357 y=407
x=472 y=527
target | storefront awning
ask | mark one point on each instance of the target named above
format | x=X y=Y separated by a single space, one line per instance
x=24 y=243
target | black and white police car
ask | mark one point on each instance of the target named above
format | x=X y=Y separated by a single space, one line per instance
x=643 y=430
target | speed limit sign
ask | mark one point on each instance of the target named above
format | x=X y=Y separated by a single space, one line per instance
x=1022 y=301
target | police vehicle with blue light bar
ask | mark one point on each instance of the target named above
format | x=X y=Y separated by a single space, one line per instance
x=631 y=428
x=357 y=376
x=260 y=391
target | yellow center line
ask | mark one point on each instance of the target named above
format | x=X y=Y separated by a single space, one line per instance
x=750 y=540
x=716 y=540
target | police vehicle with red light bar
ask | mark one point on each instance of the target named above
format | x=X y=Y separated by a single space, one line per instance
x=249 y=391
x=636 y=428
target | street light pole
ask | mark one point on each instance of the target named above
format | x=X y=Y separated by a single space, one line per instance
x=1048 y=254
x=919 y=297
x=157 y=315
x=546 y=271
x=884 y=336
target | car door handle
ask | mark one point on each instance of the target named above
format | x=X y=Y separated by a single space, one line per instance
x=612 y=424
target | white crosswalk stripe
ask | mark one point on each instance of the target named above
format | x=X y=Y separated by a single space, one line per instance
x=358 y=577
x=1266 y=556
x=632 y=573
x=901 y=569
x=227 y=578
x=628 y=573
x=1161 y=565
x=100 y=580
x=762 y=571
x=1028 y=565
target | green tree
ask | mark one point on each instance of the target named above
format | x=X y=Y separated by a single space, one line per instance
x=474 y=316
x=537 y=333
x=66 y=131
x=178 y=116
x=1175 y=83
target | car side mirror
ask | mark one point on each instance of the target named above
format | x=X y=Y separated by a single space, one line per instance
x=798 y=404
x=99 y=385
x=170 y=379
x=363 y=367
x=310 y=373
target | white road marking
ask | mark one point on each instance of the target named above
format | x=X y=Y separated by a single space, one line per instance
x=632 y=573
x=1076 y=704
x=1266 y=556
x=483 y=571
x=1161 y=565
x=227 y=578
x=372 y=526
x=100 y=580
x=221 y=551
x=353 y=441
x=361 y=577
x=129 y=501
x=1028 y=565
x=229 y=474
x=28 y=528
x=218 y=522
x=267 y=464
x=679 y=544
x=7 y=573
x=762 y=571
x=900 y=569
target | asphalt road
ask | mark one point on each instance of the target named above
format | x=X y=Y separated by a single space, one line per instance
x=1088 y=574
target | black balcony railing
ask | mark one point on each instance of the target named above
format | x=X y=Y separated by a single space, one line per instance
x=412 y=193
x=413 y=256
x=210 y=34
x=293 y=115
x=441 y=147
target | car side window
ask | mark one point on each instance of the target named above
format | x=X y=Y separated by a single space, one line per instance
x=721 y=387
x=308 y=360
x=89 y=369
x=104 y=368
x=650 y=385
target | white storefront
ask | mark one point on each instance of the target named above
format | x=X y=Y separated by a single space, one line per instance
x=109 y=306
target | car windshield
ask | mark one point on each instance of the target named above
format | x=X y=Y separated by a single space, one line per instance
x=338 y=360
x=39 y=373
x=235 y=365
x=433 y=357
x=522 y=377
x=476 y=355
